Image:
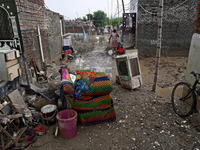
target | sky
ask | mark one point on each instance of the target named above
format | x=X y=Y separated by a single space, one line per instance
x=72 y=9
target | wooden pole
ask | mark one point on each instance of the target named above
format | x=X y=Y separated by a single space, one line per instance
x=159 y=44
x=111 y=11
x=108 y=13
x=123 y=6
x=118 y=15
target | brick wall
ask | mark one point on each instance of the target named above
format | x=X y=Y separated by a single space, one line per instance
x=53 y=34
x=32 y=14
x=75 y=27
x=178 y=26
x=39 y=2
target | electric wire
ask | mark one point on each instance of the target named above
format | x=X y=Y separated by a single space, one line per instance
x=170 y=9
x=152 y=13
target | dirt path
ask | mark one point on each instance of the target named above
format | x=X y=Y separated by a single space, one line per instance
x=144 y=119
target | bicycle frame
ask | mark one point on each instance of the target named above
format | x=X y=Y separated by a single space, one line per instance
x=194 y=89
x=188 y=96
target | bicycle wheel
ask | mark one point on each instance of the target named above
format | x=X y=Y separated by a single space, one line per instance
x=183 y=99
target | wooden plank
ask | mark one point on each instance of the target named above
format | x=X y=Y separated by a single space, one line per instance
x=2 y=140
x=21 y=133
x=17 y=101
x=19 y=104
x=9 y=144
x=11 y=63
x=2 y=147
x=7 y=134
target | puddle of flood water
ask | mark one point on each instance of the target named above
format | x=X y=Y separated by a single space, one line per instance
x=165 y=93
x=96 y=60
x=98 y=65
x=79 y=62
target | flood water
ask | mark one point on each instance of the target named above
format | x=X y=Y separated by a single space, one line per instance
x=165 y=93
x=96 y=60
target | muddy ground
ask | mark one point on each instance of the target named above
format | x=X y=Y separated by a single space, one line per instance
x=145 y=120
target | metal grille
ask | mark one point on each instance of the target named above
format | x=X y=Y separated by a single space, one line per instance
x=197 y=22
x=6 y=31
x=129 y=29
x=178 y=25
x=122 y=67
x=134 y=67
x=129 y=23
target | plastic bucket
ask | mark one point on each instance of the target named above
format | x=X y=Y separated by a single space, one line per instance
x=49 y=114
x=67 y=120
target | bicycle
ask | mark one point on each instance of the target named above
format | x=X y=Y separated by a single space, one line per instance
x=184 y=97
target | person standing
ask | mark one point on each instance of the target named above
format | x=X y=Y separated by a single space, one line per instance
x=114 y=37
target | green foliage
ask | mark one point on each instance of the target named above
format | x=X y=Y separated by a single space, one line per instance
x=99 y=18
x=89 y=16
x=115 y=22
x=84 y=18
x=107 y=21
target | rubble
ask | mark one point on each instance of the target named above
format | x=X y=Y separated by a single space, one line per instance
x=144 y=120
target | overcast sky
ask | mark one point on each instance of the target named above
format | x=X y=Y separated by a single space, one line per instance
x=78 y=8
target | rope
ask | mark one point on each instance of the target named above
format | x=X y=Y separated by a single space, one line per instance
x=147 y=10
x=170 y=9
x=178 y=5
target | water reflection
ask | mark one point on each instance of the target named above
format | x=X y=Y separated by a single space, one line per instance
x=97 y=60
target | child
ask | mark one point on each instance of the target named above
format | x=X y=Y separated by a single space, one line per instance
x=114 y=37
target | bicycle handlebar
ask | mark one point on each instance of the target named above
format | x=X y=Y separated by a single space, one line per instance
x=196 y=75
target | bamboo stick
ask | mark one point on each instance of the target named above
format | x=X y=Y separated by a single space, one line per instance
x=159 y=44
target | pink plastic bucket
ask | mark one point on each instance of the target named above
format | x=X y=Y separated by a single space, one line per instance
x=67 y=120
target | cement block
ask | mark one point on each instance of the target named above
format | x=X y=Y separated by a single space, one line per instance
x=193 y=59
x=193 y=62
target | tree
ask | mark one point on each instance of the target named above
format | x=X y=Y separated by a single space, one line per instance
x=107 y=21
x=84 y=18
x=115 y=21
x=89 y=16
x=99 y=18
